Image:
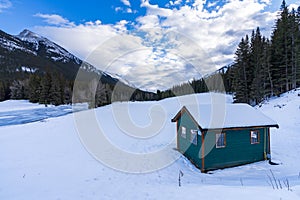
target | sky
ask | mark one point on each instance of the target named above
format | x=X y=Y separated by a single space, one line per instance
x=153 y=44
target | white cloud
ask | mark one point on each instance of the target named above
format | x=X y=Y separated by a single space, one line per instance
x=54 y=19
x=81 y=39
x=149 y=21
x=199 y=4
x=293 y=6
x=123 y=10
x=215 y=32
x=117 y=9
x=212 y=4
x=126 y=2
x=129 y=10
x=174 y=3
x=168 y=46
x=121 y=26
x=5 y=4
x=152 y=62
x=268 y=2
x=155 y=9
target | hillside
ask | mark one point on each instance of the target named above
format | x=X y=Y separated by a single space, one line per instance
x=28 y=54
x=46 y=159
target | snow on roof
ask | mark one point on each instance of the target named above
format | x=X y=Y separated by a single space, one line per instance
x=216 y=116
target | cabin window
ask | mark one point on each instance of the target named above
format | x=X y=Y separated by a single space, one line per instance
x=220 y=140
x=194 y=136
x=183 y=132
x=254 y=137
x=199 y=133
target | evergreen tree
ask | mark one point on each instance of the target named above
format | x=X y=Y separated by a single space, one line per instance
x=257 y=65
x=56 y=90
x=281 y=51
x=68 y=85
x=268 y=86
x=158 y=92
x=46 y=82
x=34 y=88
x=102 y=94
x=241 y=71
x=229 y=79
x=2 y=91
x=17 y=90
x=296 y=68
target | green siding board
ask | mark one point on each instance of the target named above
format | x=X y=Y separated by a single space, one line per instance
x=191 y=151
x=238 y=150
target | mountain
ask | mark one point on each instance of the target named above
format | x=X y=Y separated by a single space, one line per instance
x=29 y=53
x=43 y=46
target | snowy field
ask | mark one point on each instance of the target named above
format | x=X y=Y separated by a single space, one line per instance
x=46 y=159
x=14 y=112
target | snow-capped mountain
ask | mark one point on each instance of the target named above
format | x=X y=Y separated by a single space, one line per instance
x=37 y=53
x=34 y=52
x=52 y=50
x=28 y=53
x=12 y=43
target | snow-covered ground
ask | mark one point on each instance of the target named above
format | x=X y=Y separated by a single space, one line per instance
x=47 y=160
x=13 y=112
x=17 y=105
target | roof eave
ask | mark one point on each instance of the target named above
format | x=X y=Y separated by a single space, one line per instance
x=175 y=118
x=243 y=127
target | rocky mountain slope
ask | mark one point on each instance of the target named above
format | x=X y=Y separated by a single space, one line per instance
x=30 y=52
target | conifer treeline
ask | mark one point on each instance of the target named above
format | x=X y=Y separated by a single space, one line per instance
x=48 y=88
x=262 y=67
x=265 y=68
x=53 y=88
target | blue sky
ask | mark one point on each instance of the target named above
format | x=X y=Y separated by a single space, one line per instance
x=19 y=14
x=147 y=52
x=22 y=14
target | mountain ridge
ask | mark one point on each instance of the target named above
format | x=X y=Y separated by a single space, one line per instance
x=43 y=53
x=31 y=37
x=29 y=53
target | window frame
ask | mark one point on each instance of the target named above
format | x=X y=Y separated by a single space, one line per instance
x=194 y=136
x=257 y=137
x=217 y=139
x=183 y=132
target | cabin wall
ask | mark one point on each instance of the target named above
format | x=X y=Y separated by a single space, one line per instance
x=184 y=145
x=238 y=149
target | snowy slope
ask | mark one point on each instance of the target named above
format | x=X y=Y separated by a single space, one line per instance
x=11 y=43
x=31 y=52
x=46 y=160
x=285 y=141
x=56 y=52
x=17 y=105
x=14 y=112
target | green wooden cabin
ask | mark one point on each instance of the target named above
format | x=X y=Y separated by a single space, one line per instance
x=220 y=136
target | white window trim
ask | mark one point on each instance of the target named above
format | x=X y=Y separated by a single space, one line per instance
x=218 y=135
x=257 y=136
x=194 y=140
x=183 y=132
